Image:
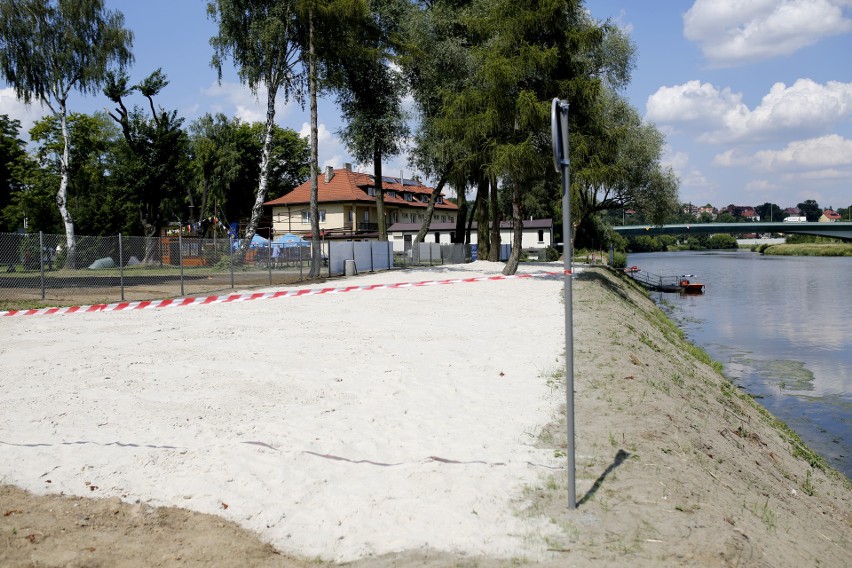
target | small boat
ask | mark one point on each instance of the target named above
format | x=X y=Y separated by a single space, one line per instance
x=691 y=287
x=633 y=268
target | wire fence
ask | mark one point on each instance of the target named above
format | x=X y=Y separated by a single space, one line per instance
x=42 y=269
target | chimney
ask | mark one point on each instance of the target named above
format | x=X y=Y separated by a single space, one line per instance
x=329 y=173
x=347 y=166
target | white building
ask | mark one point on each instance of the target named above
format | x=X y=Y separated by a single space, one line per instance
x=537 y=234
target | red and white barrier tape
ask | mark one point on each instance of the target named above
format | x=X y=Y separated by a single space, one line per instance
x=204 y=300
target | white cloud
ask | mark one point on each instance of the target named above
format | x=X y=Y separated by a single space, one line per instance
x=805 y=108
x=735 y=32
x=760 y=185
x=822 y=153
x=694 y=102
x=16 y=109
x=331 y=150
x=237 y=99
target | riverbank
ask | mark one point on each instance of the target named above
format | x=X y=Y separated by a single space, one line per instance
x=396 y=451
x=806 y=249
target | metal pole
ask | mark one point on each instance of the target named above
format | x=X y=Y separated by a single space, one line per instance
x=269 y=258
x=41 y=261
x=121 y=266
x=559 y=124
x=180 y=261
x=231 y=257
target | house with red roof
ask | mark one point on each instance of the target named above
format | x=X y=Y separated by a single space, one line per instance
x=829 y=216
x=347 y=205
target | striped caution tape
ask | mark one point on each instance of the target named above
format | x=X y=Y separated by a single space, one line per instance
x=205 y=300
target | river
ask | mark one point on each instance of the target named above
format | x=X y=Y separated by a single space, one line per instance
x=782 y=328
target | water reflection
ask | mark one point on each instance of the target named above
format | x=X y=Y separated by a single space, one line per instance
x=781 y=327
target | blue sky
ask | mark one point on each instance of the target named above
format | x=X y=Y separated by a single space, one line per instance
x=754 y=96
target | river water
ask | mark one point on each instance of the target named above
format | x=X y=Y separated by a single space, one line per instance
x=782 y=328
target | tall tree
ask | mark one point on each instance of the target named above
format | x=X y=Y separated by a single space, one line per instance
x=13 y=156
x=152 y=161
x=810 y=209
x=260 y=36
x=369 y=91
x=49 y=48
x=98 y=206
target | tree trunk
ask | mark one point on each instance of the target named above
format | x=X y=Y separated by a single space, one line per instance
x=260 y=197
x=380 y=193
x=462 y=215
x=518 y=223
x=62 y=193
x=494 y=248
x=316 y=252
x=427 y=219
x=480 y=209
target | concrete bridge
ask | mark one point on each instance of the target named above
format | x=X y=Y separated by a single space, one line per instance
x=840 y=230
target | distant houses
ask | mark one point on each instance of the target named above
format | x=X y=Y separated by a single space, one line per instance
x=829 y=216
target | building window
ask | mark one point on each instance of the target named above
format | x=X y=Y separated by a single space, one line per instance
x=439 y=200
x=407 y=196
x=437 y=237
x=541 y=235
x=371 y=191
x=366 y=215
x=306 y=216
x=391 y=193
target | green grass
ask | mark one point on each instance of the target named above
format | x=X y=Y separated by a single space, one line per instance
x=810 y=249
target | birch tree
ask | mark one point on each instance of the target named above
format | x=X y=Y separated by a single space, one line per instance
x=260 y=37
x=49 y=48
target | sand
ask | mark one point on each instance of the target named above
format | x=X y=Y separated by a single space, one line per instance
x=404 y=426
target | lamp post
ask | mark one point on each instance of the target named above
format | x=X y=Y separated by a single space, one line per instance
x=561 y=162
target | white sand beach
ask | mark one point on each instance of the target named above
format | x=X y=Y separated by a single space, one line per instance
x=336 y=426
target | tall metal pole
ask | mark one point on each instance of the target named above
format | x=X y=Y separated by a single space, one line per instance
x=559 y=127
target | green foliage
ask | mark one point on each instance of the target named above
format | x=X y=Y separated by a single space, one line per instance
x=619 y=260
x=722 y=241
x=810 y=209
x=14 y=164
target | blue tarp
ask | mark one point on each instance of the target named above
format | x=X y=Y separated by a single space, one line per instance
x=289 y=240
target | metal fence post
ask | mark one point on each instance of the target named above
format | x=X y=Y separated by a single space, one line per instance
x=41 y=260
x=231 y=257
x=269 y=259
x=180 y=260
x=121 y=266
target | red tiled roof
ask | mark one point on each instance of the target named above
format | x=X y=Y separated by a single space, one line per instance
x=829 y=214
x=349 y=186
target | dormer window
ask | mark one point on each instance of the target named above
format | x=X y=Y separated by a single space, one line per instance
x=371 y=191
x=439 y=200
x=407 y=196
x=391 y=193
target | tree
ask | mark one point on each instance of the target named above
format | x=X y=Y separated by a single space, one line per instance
x=151 y=161
x=13 y=158
x=769 y=212
x=369 y=91
x=49 y=48
x=810 y=209
x=98 y=206
x=260 y=36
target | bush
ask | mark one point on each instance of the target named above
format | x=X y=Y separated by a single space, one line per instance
x=551 y=254
x=619 y=260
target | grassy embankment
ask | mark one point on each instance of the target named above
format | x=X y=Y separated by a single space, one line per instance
x=702 y=474
x=806 y=249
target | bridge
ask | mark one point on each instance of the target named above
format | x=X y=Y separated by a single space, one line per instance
x=840 y=230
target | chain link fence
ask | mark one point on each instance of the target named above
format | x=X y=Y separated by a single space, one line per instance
x=42 y=269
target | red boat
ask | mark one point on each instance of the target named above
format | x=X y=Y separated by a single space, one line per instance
x=691 y=287
x=632 y=269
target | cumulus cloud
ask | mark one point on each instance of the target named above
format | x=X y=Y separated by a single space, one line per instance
x=805 y=108
x=331 y=150
x=16 y=109
x=824 y=153
x=736 y=32
x=236 y=99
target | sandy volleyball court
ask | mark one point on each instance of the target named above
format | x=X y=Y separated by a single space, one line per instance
x=336 y=426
